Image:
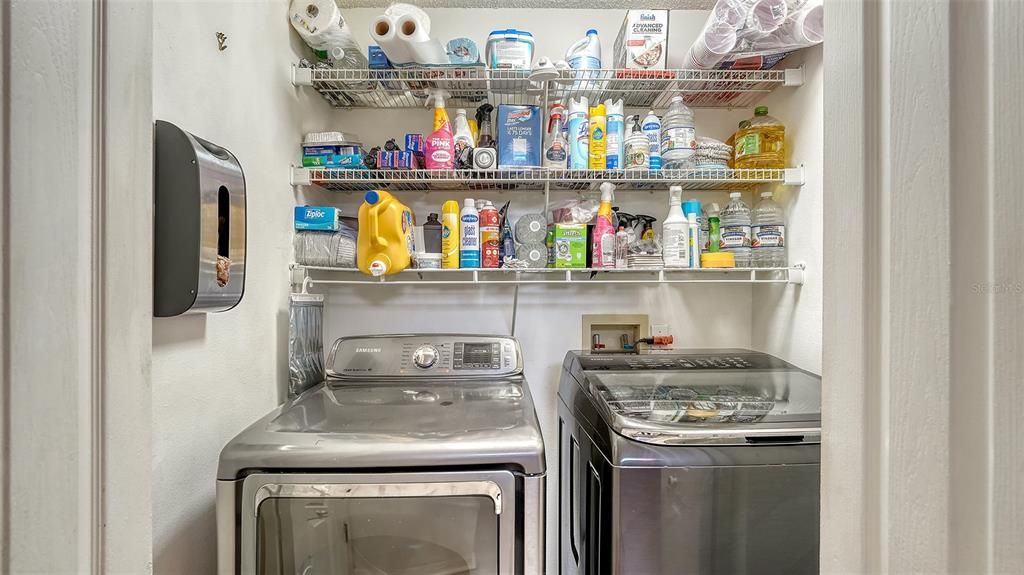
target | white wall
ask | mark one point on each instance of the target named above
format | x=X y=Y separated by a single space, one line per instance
x=214 y=374
x=787 y=318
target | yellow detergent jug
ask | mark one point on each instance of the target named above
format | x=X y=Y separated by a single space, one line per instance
x=385 y=243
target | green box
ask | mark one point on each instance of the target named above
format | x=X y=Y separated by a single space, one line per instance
x=570 y=245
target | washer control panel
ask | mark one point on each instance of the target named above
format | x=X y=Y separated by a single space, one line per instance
x=443 y=355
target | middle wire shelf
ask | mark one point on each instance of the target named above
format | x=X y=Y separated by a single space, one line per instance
x=354 y=180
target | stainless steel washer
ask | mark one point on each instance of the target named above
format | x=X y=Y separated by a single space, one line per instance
x=702 y=461
x=421 y=454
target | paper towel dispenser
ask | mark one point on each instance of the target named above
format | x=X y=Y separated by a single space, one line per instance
x=199 y=223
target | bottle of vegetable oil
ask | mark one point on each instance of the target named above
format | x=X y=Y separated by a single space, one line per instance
x=761 y=144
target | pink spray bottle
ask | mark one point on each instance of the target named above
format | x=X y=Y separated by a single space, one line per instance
x=603 y=248
x=439 y=150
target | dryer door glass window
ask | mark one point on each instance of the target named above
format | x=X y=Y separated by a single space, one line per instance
x=453 y=535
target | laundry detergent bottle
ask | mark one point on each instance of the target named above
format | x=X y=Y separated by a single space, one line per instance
x=603 y=246
x=439 y=150
x=385 y=242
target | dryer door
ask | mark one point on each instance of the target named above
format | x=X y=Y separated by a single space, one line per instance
x=393 y=524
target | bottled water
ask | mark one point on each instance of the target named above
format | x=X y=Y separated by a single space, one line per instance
x=768 y=234
x=678 y=136
x=736 y=230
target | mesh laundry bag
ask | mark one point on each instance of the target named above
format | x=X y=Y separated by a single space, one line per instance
x=305 y=342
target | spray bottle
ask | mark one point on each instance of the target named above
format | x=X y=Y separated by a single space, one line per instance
x=603 y=247
x=469 y=236
x=483 y=119
x=675 y=232
x=616 y=134
x=463 y=139
x=450 y=235
x=556 y=149
x=440 y=147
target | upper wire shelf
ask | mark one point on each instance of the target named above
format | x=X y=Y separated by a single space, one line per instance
x=350 y=180
x=471 y=87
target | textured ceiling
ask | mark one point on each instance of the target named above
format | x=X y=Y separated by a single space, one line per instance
x=592 y=4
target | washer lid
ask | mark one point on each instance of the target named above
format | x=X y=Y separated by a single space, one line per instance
x=395 y=424
x=742 y=401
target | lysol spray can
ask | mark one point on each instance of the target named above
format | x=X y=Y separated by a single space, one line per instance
x=490 y=237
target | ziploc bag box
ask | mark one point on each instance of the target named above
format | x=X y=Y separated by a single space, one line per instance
x=317 y=218
x=519 y=136
x=570 y=245
x=642 y=43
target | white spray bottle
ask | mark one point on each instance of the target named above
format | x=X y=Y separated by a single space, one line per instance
x=675 y=232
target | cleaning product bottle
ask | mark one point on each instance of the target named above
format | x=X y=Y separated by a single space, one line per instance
x=585 y=54
x=603 y=246
x=384 y=245
x=598 y=138
x=469 y=236
x=621 y=246
x=674 y=232
x=616 y=135
x=483 y=118
x=637 y=148
x=652 y=128
x=490 y=236
x=440 y=146
x=463 y=140
x=556 y=149
x=431 y=235
x=450 y=235
x=692 y=241
x=579 y=134
x=714 y=229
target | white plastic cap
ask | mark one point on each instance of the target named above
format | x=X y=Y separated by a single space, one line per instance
x=378 y=268
x=735 y=194
x=469 y=203
x=460 y=112
x=607 y=191
x=677 y=98
x=692 y=218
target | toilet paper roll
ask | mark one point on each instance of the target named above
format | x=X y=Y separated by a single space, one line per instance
x=532 y=229
x=385 y=34
x=321 y=26
x=422 y=48
x=533 y=254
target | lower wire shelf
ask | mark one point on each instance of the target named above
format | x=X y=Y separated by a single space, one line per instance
x=310 y=276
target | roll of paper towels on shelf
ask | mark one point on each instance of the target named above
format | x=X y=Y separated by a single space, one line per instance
x=396 y=11
x=422 y=48
x=385 y=34
x=321 y=26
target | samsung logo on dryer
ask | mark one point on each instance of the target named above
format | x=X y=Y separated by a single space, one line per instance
x=368 y=350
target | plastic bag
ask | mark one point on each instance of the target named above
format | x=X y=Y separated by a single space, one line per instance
x=328 y=249
x=756 y=34
x=576 y=211
x=305 y=342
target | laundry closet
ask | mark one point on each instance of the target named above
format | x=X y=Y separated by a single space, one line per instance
x=255 y=94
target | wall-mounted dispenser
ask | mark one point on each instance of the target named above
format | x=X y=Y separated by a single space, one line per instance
x=199 y=222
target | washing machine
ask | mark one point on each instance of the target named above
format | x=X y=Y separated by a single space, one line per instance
x=688 y=461
x=420 y=454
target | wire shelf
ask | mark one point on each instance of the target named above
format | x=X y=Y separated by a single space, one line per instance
x=351 y=276
x=348 y=180
x=470 y=87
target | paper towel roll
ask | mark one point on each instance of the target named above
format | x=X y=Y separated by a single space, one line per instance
x=396 y=11
x=321 y=26
x=385 y=34
x=422 y=48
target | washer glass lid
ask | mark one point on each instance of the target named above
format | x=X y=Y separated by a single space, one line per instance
x=679 y=398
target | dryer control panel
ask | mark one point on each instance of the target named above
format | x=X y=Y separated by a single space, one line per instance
x=439 y=355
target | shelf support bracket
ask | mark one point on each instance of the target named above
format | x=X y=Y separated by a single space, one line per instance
x=796 y=274
x=793 y=176
x=302 y=76
x=794 y=77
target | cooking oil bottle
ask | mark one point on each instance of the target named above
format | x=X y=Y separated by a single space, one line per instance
x=761 y=143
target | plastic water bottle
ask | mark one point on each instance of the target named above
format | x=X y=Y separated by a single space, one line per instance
x=768 y=234
x=678 y=136
x=736 y=230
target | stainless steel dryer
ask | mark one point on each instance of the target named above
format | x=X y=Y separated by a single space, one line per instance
x=421 y=454
x=702 y=461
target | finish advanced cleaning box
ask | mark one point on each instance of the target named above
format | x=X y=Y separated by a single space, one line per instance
x=642 y=43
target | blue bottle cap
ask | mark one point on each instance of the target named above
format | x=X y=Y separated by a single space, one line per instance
x=372 y=197
x=691 y=207
x=591 y=31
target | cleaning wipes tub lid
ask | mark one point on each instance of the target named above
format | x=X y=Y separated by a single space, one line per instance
x=509 y=34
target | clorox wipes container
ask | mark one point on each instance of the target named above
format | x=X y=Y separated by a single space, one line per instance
x=385 y=243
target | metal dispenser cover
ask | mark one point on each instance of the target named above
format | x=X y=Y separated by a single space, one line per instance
x=199 y=222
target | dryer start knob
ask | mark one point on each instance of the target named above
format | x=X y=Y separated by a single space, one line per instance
x=425 y=356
